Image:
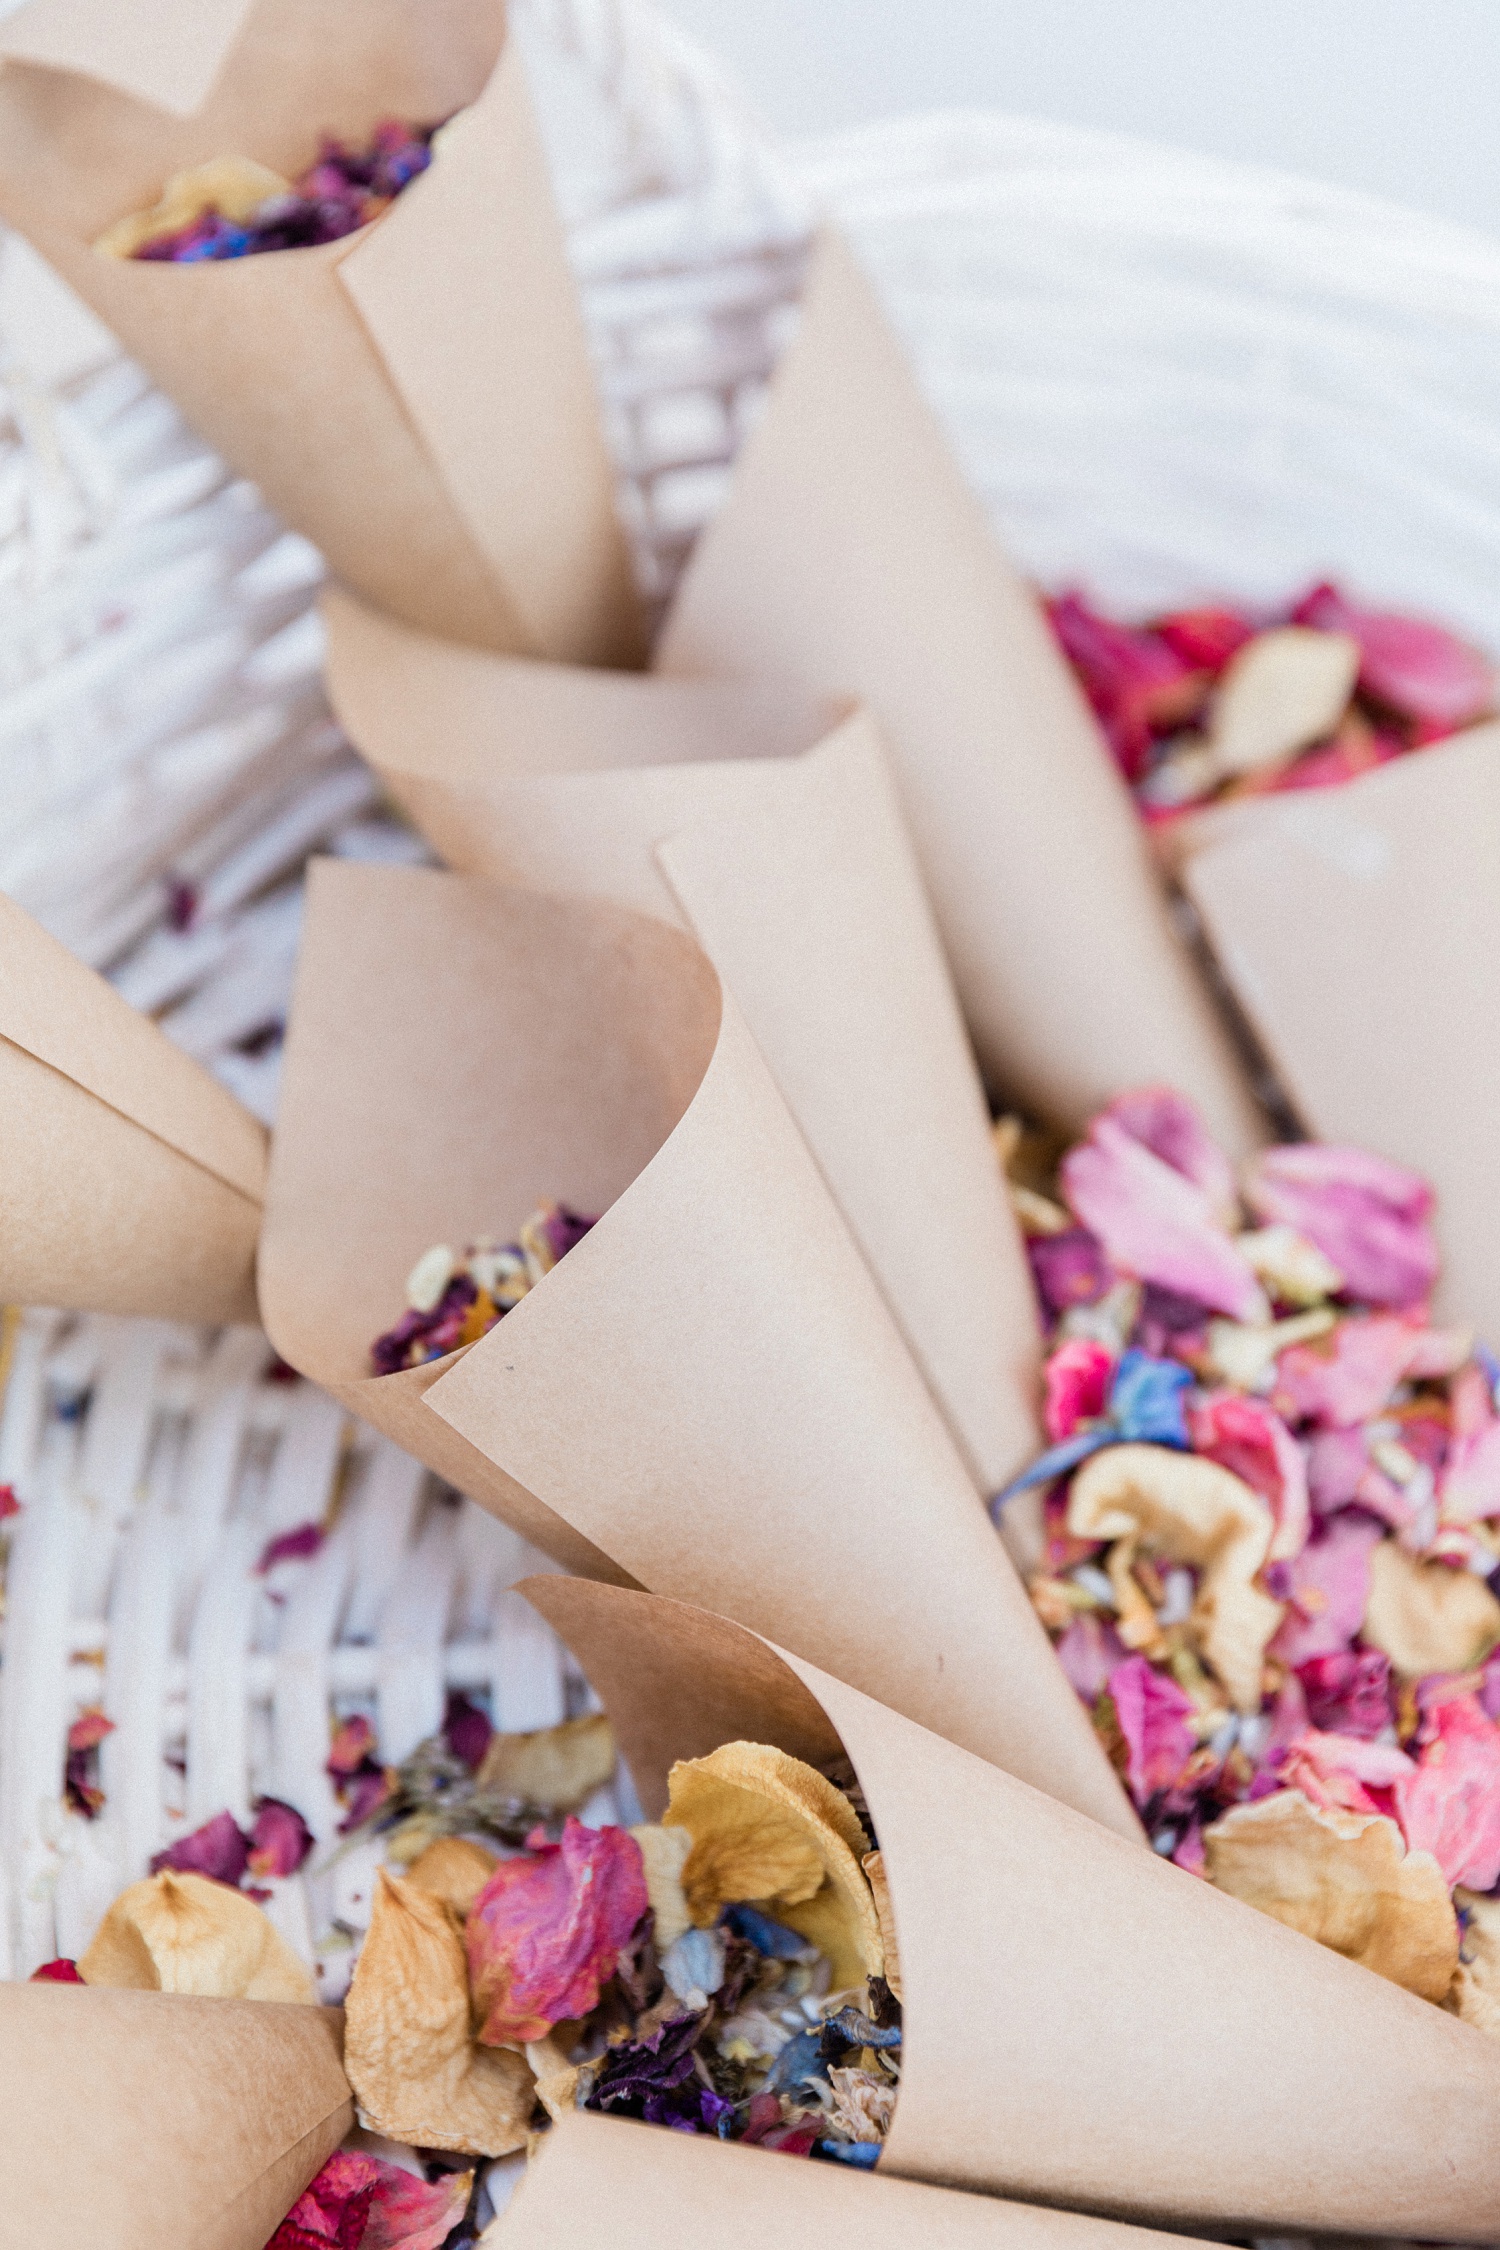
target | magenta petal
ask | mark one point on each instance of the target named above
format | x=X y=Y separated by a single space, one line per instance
x=358 y=2201
x=547 y=1930
x=1154 y=1716
x=1327 y=1590
x=1346 y=1376
x=1167 y=1123
x=1451 y=1805
x=1088 y=1652
x=1417 y=669
x=1077 y=1379
x=1155 y=1223
x=1368 y=1216
x=1247 y=1437
x=1339 y=1770
x=217 y=1849
x=281 y=1839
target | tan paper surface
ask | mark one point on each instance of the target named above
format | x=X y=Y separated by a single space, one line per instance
x=416 y=398
x=709 y=1390
x=851 y=555
x=130 y=1181
x=1085 y=2024
x=795 y=874
x=169 y=55
x=599 y=2179
x=1359 y=928
x=145 y=2121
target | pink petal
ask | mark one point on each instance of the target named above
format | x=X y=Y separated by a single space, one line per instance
x=88 y=1730
x=1347 y=1376
x=353 y=1742
x=546 y=1931
x=1348 y=1692
x=1469 y=1489
x=1247 y=1437
x=1417 y=669
x=1154 y=1717
x=1077 y=1378
x=1340 y=1769
x=281 y=1839
x=356 y=2199
x=1132 y=680
x=1167 y=1123
x=1155 y=1223
x=1205 y=638
x=407 y=2214
x=1368 y=1216
x=1327 y=1591
x=1451 y=1805
x=1088 y=1652
x=1336 y=1460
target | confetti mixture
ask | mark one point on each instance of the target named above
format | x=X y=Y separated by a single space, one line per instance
x=1272 y=1524
x=1212 y=703
x=236 y=208
x=454 y=1301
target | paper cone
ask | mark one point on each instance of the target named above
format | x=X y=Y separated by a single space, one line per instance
x=851 y=555
x=600 y=2179
x=1085 y=2024
x=709 y=1390
x=795 y=874
x=1359 y=928
x=130 y=1181
x=417 y=398
x=147 y=2121
x=170 y=57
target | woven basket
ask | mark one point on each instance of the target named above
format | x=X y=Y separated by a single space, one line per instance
x=1166 y=376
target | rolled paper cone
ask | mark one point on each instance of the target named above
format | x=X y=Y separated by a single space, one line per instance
x=1359 y=927
x=149 y=2121
x=416 y=398
x=130 y=1181
x=708 y=1390
x=851 y=556
x=1083 y=2019
x=595 y=2178
x=784 y=853
x=170 y=57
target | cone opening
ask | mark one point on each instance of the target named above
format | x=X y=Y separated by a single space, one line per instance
x=458 y=1053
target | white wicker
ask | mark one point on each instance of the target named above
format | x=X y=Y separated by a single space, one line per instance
x=1166 y=376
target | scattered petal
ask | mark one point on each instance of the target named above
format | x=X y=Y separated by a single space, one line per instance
x=1417 y=669
x=1475 y=1993
x=358 y=2203
x=1348 y=1690
x=1369 y=1217
x=60 y=1971
x=1294 y=1270
x=1337 y=1771
x=454 y=1870
x=1428 y=1617
x=1328 y=1589
x=1155 y=1223
x=219 y=1849
x=1246 y=1436
x=873 y=1864
x=547 y=1930
x=557 y=1767
x=1155 y=1722
x=187 y=1933
x=1281 y=692
x=1450 y=1804
x=290 y=1546
x=1347 y=1376
x=466 y=1730
x=280 y=1840
x=1078 y=1379
x=664 y=1855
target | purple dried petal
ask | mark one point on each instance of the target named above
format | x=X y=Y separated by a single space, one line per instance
x=1068 y=1269
x=466 y=1730
x=290 y=1546
x=219 y=1849
x=281 y=1839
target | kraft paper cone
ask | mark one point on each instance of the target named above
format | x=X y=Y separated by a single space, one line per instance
x=597 y=2179
x=795 y=874
x=850 y=555
x=130 y=1181
x=709 y=1389
x=416 y=398
x=1359 y=928
x=170 y=57
x=148 y=2121
x=1086 y=2024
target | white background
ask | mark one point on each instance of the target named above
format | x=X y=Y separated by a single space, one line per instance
x=1397 y=97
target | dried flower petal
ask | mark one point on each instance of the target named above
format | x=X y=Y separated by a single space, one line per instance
x=186 y=1933
x=873 y=1864
x=1347 y=1690
x=1194 y=1512
x=1294 y=1270
x=1450 y=1804
x=547 y=1930
x=1417 y=669
x=1428 y=1617
x=408 y=2048
x=1370 y=1217
x=1337 y=1771
x=1155 y=1722
x=1328 y=1589
x=1345 y=1879
x=1155 y=1223
x=280 y=1840
x=454 y=1870
x=770 y=1830
x=1166 y=1123
x=862 y=2106
x=466 y=1730
x=358 y=2203
x=1247 y=1437
x=559 y=1767
x=297 y=1545
x=1282 y=691
x=1078 y=1377
x=232 y=186
x=218 y=1849
x=353 y=1743
x=61 y=1971
x=1474 y=1996
x=1348 y=1375
x=664 y=1855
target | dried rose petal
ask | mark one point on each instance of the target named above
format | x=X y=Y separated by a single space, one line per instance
x=547 y=1930
x=1428 y=1617
x=9 y=1504
x=186 y=1933
x=1338 y=1770
x=296 y=1545
x=89 y=1730
x=1166 y=1123
x=1348 y=1691
x=1134 y=681
x=353 y=1743
x=1248 y=1437
x=1327 y=1588
x=559 y=1767
x=218 y=1849
x=1347 y=1376
x=60 y=1971
x=1205 y=639
x=358 y=2203
x=1155 y=1223
x=280 y=1840
x=1077 y=1377
x=1415 y=668
x=1370 y=1217
x=1154 y=1718
x=1068 y=1269
x=1088 y=1652
x=1450 y=1806
x=466 y=1730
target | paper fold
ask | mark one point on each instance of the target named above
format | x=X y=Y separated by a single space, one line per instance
x=148 y=2121
x=130 y=1181
x=1083 y=2018
x=1358 y=928
x=708 y=1390
x=850 y=555
x=416 y=398
x=170 y=56
x=775 y=836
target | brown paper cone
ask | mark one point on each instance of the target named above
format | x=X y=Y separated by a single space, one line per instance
x=147 y=2121
x=1085 y=2024
x=170 y=57
x=1359 y=928
x=130 y=1181
x=795 y=874
x=417 y=398
x=599 y=2179
x=851 y=555
x=709 y=1390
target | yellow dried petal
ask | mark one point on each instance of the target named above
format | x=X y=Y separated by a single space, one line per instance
x=1428 y=1617
x=1283 y=690
x=233 y=185
x=1190 y=1510
x=664 y=1854
x=415 y=2067
x=1475 y=1992
x=183 y=1933
x=770 y=1830
x=873 y=1864
x=1343 y=1878
x=453 y=1870
x=554 y=1766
